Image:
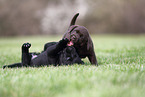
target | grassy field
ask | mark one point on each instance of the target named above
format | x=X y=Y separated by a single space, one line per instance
x=121 y=70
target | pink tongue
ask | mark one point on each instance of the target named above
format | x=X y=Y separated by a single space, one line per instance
x=70 y=43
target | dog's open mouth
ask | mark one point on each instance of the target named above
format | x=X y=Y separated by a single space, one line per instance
x=70 y=43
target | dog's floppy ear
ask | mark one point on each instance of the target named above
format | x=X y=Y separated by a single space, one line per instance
x=89 y=43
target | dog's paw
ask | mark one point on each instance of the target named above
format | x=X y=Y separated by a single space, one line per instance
x=26 y=45
x=64 y=41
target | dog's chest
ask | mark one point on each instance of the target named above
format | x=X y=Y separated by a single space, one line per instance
x=82 y=51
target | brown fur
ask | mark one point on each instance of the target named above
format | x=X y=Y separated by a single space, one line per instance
x=82 y=41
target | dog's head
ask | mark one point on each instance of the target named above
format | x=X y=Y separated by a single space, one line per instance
x=78 y=36
x=69 y=56
x=75 y=36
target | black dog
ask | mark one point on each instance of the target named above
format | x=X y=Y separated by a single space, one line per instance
x=67 y=56
x=54 y=53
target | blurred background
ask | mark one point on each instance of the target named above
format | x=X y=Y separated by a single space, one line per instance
x=44 y=17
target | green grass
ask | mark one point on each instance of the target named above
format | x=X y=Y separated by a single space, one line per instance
x=121 y=70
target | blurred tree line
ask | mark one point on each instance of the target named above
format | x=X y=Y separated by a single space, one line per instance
x=29 y=17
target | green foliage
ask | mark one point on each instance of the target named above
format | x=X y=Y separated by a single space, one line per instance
x=120 y=73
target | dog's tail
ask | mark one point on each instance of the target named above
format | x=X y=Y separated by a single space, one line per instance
x=74 y=19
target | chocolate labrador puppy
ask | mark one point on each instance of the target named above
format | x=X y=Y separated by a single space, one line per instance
x=57 y=53
x=79 y=37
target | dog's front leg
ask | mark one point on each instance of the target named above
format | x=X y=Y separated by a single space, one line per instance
x=54 y=49
x=93 y=59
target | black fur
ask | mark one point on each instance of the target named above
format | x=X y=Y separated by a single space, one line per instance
x=69 y=56
x=55 y=53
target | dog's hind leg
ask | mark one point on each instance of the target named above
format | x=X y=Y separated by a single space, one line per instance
x=48 y=45
x=26 y=58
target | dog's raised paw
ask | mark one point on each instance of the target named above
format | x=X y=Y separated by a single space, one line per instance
x=64 y=41
x=26 y=45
